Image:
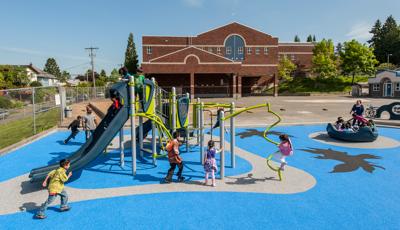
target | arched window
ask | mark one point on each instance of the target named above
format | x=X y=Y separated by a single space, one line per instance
x=234 y=46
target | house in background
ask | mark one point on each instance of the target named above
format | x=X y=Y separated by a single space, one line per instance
x=385 y=84
x=36 y=74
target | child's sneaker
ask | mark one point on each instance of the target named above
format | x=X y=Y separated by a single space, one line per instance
x=65 y=142
x=180 y=179
x=214 y=185
x=167 y=181
x=65 y=208
x=40 y=216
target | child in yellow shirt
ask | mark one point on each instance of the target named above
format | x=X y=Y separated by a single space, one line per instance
x=56 y=187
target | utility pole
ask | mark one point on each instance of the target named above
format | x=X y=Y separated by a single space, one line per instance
x=388 y=56
x=92 y=55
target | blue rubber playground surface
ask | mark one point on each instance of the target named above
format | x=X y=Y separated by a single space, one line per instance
x=356 y=188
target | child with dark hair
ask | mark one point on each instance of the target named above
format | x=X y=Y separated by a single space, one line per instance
x=210 y=164
x=138 y=78
x=348 y=127
x=285 y=150
x=339 y=124
x=174 y=159
x=56 y=188
x=74 y=129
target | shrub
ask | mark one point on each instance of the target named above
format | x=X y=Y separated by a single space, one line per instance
x=5 y=103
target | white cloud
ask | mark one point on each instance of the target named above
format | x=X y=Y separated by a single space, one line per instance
x=360 y=31
x=194 y=3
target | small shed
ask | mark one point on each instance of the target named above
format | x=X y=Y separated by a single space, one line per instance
x=360 y=89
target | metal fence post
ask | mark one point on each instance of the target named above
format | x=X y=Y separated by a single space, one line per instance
x=201 y=128
x=34 y=110
x=222 y=143
x=233 y=162
x=133 y=130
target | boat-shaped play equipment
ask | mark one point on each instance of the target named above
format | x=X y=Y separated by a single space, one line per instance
x=364 y=134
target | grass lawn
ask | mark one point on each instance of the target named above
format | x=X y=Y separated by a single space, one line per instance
x=309 y=85
x=15 y=131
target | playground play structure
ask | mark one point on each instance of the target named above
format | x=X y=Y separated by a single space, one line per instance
x=165 y=113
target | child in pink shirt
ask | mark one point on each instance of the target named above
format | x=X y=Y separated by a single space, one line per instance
x=285 y=149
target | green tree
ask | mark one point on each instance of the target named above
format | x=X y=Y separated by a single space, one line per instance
x=286 y=68
x=51 y=67
x=309 y=38
x=114 y=76
x=131 y=58
x=386 y=66
x=21 y=79
x=65 y=76
x=35 y=84
x=3 y=83
x=386 y=40
x=314 y=39
x=324 y=61
x=339 y=48
x=357 y=58
x=376 y=32
x=296 y=38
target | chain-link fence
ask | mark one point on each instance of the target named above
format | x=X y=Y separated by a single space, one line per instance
x=27 y=111
x=82 y=94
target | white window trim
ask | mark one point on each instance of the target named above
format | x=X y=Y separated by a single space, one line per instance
x=397 y=86
x=149 y=50
x=292 y=57
x=219 y=50
x=257 y=52
x=210 y=49
x=240 y=50
x=266 y=50
x=249 y=50
x=375 y=87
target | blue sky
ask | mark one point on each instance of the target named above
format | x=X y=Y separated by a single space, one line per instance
x=32 y=31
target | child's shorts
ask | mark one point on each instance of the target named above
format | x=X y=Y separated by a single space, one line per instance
x=279 y=156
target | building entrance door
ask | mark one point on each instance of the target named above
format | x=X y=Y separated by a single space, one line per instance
x=387 y=89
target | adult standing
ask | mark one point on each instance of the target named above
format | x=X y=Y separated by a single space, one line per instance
x=89 y=122
x=357 y=109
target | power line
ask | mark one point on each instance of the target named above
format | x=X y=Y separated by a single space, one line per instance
x=75 y=66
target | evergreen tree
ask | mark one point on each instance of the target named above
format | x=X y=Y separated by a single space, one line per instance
x=51 y=67
x=324 y=61
x=314 y=39
x=296 y=38
x=386 y=40
x=339 y=48
x=357 y=59
x=131 y=58
x=376 y=34
x=309 y=38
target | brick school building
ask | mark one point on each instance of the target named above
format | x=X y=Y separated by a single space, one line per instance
x=232 y=60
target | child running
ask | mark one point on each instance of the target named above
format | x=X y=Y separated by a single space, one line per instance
x=56 y=187
x=285 y=150
x=74 y=129
x=210 y=164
